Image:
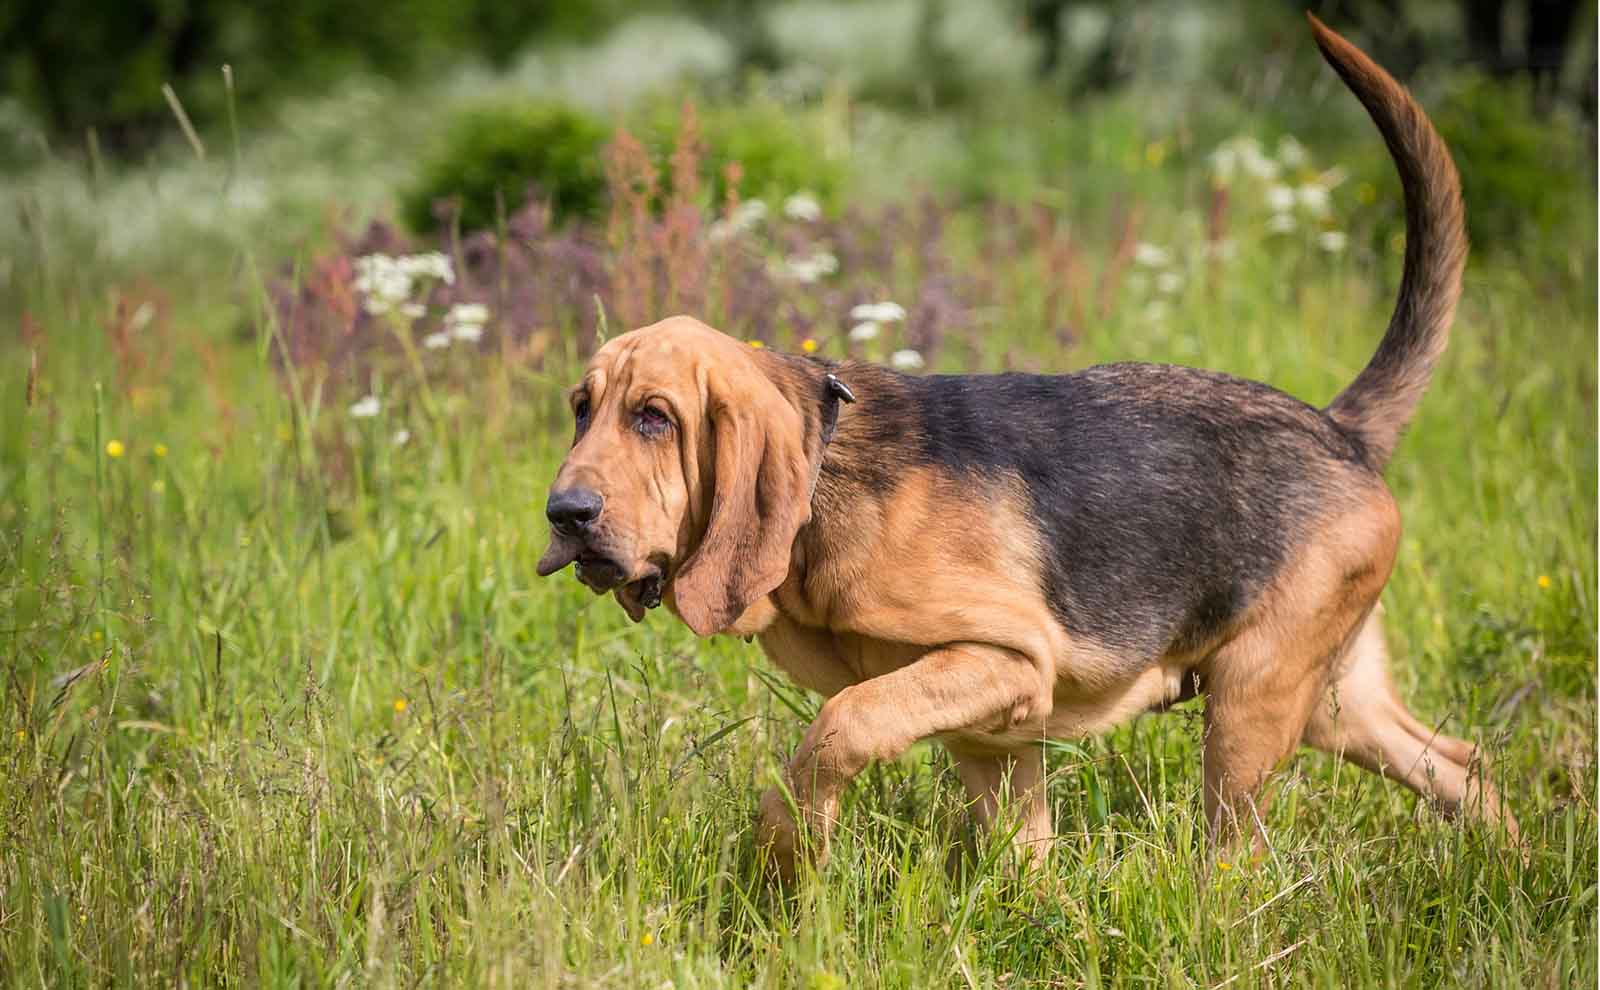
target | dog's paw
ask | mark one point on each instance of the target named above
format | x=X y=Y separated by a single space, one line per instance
x=786 y=843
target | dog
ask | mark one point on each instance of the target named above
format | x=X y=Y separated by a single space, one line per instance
x=996 y=560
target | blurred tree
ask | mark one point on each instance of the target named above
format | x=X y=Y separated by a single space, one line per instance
x=90 y=63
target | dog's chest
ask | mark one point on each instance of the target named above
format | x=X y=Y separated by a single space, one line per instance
x=827 y=662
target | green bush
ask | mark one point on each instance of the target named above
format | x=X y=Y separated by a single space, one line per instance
x=1522 y=172
x=779 y=150
x=493 y=155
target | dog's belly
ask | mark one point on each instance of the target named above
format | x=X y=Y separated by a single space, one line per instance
x=828 y=662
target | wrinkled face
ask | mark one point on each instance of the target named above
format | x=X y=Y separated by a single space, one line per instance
x=689 y=475
x=620 y=505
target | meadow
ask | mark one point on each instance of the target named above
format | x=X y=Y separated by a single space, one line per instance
x=285 y=703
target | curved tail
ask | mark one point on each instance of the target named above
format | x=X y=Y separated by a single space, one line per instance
x=1378 y=404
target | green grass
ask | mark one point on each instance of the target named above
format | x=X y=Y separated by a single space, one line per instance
x=268 y=722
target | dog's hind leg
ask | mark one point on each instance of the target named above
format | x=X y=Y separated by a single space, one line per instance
x=1360 y=717
x=1008 y=790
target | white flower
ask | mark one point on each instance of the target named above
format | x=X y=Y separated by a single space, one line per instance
x=1151 y=255
x=467 y=313
x=1224 y=162
x=1281 y=223
x=1169 y=282
x=431 y=264
x=864 y=331
x=1314 y=198
x=802 y=206
x=1291 y=152
x=436 y=341
x=1257 y=164
x=402 y=437
x=1280 y=198
x=748 y=213
x=365 y=408
x=906 y=360
x=879 y=312
x=1332 y=241
x=471 y=333
x=803 y=269
x=719 y=231
x=413 y=310
x=383 y=280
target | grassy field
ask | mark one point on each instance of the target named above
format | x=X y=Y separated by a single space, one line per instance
x=285 y=704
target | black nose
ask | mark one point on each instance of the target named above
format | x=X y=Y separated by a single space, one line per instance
x=574 y=508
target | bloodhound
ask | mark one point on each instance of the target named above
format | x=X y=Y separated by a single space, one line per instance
x=993 y=560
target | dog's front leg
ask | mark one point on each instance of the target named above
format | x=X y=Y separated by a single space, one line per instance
x=965 y=686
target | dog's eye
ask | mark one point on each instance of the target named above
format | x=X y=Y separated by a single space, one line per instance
x=580 y=412
x=652 y=422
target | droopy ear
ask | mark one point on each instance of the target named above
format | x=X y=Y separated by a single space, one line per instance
x=760 y=498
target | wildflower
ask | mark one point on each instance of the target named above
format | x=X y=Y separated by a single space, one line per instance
x=879 y=312
x=467 y=313
x=1544 y=582
x=1224 y=866
x=471 y=333
x=802 y=206
x=365 y=408
x=808 y=345
x=1280 y=198
x=402 y=437
x=158 y=487
x=115 y=449
x=384 y=282
x=757 y=344
x=906 y=360
x=160 y=450
x=399 y=706
x=413 y=310
x=95 y=635
x=1257 y=164
x=1169 y=282
x=1313 y=197
x=430 y=264
x=1332 y=241
x=436 y=341
x=1224 y=162
x=809 y=269
x=864 y=331
x=1281 y=223
x=647 y=939
x=1155 y=153
x=1151 y=255
x=749 y=213
x=1291 y=153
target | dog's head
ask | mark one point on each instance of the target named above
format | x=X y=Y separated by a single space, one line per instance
x=690 y=472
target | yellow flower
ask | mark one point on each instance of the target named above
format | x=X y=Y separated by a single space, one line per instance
x=1155 y=153
x=399 y=705
x=157 y=486
x=95 y=635
x=115 y=448
x=647 y=939
x=160 y=450
x=283 y=433
x=757 y=344
x=1224 y=866
x=22 y=733
x=808 y=345
x=1544 y=581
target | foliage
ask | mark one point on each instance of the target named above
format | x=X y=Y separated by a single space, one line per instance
x=284 y=702
x=1519 y=173
x=494 y=156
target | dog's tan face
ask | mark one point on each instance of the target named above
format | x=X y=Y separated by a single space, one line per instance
x=687 y=479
